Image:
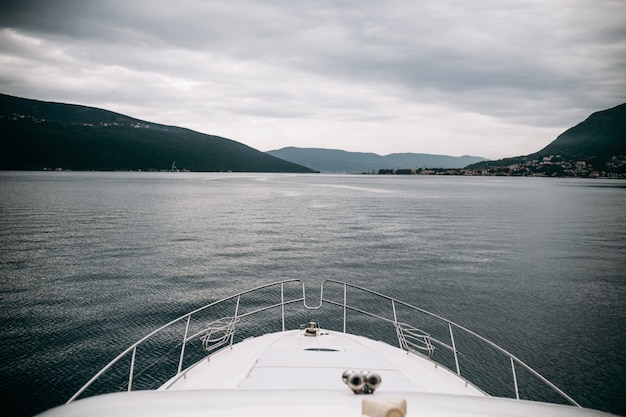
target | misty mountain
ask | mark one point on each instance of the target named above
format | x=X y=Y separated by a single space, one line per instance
x=597 y=141
x=40 y=135
x=338 y=161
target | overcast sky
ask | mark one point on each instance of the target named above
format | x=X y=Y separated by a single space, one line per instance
x=492 y=78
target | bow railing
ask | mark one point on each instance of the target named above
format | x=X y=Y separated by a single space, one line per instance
x=164 y=354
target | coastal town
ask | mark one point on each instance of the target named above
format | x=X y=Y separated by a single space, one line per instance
x=548 y=166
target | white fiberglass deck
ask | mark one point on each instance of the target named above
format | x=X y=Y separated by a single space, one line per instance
x=300 y=403
x=299 y=372
x=290 y=360
x=287 y=374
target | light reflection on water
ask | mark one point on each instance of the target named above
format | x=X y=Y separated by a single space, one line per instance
x=91 y=261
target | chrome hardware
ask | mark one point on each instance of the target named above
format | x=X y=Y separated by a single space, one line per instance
x=312 y=330
x=372 y=381
x=218 y=333
x=414 y=340
x=361 y=382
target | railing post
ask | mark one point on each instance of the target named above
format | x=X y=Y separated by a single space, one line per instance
x=132 y=369
x=182 y=349
x=282 y=303
x=514 y=378
x=456 y=356
x=232 y=336
x=345 y=301
x=395 y=322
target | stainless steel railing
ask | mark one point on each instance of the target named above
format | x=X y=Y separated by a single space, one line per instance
x=215 y=326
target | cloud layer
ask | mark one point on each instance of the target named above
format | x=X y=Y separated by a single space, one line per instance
x=492 y=78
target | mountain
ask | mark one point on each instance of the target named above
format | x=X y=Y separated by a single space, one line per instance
x=598 y=143
x=40 y=135
x=600 y=137
x=338 y=161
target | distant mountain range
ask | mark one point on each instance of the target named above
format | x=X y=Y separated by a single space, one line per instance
x=599 y=142
x=338 y=161
x=39 y=135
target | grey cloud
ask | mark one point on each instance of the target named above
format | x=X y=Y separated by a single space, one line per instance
x=522 y=63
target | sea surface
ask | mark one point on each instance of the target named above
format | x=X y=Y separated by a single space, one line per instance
x=90 y=262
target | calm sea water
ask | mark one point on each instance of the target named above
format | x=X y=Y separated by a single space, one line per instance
x=89 y=262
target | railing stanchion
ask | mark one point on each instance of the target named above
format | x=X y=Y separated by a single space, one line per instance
x=514 y=379
x=132 y=369
x=232 y=336
x=282 y=303
x=395 y=322
x=345 y=302
x=456 y=356
x=182 y=349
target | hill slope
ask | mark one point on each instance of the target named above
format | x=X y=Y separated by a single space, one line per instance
x=42 y=135
x=338 y=161
x=601 y=136
x=599 y=142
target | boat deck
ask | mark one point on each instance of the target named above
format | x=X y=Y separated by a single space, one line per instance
x=287 y=374
x=299 y=372
x=302 y=403
x=290 y=360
